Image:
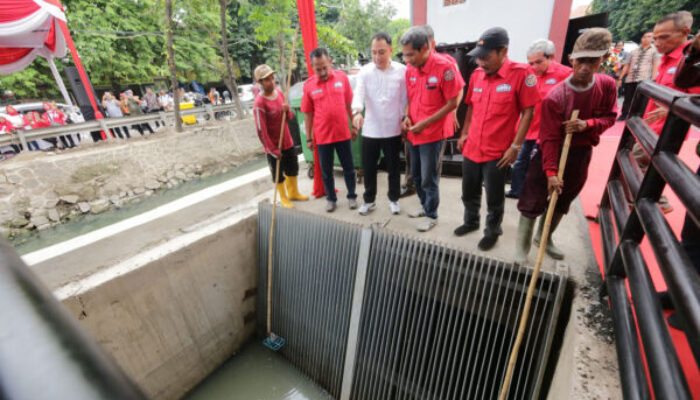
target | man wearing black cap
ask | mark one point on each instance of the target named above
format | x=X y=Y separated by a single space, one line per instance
x=500 y=93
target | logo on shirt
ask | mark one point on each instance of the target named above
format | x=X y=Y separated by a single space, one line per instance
x=338 y=84
x=504 y=87
x=317 y=91
x=449 y=75
x=671 y=70
x=531 y=80
x=550 y=81
x=433 y=79
x=478 y=90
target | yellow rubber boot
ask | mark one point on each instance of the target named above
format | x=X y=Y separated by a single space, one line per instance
x=293 y=189
x=283 y=196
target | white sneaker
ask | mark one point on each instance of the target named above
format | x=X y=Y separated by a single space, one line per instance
x=394 y=207
x=352 y=203
x=417 y=213
x=366 y=208
x=426 y=224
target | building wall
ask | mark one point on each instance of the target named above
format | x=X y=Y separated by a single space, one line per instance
x=525 y=21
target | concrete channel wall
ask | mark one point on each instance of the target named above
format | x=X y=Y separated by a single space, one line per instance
x=41 y=189
x=174 y=319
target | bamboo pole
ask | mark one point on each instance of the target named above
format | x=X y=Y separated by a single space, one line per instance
x=538 y=264
x=274 y=195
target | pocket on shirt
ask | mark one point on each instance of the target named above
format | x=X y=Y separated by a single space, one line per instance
x=432 y=97
x=502 y=103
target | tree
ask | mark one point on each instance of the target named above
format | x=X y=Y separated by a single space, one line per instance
x=629 y=19
x=230 y=79
x=171 y=63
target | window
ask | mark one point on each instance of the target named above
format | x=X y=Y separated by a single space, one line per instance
x=452 y=2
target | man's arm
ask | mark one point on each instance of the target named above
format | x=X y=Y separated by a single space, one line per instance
x=308 y=125
x=437 y=116
x=625 y=70
x=655 y=67
x=261 y=125
x=465 y=127
x=512 y=153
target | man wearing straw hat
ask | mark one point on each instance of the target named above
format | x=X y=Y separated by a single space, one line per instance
x=271 y=110
x=595 y=97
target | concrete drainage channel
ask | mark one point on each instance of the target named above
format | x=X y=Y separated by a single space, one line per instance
x=371 y=314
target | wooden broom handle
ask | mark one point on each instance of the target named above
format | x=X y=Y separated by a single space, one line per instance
x=274 y=195
x=538 y=264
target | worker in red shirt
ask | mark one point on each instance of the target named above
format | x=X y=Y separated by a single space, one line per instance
x=432 y=89
x=500 y=93
x=327 y=103
x=670 y=34
x=595 y=96
x=271 y=111
x=549 y=73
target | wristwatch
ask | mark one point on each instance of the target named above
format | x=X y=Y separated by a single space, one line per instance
x=515 y=146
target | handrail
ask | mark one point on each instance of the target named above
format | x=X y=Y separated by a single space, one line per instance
x=639 y=218
x=44 y=352
x=166 y=118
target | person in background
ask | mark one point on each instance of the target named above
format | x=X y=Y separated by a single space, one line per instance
x=642 y=64
x=135 y=108
x=150 y=100
x=55 y=117
x=165 y=101
x=381 y=92
x=271 y=110
x=433 y=89
x=327 y=105
x=33 y=120
x=214 y=97
x=113 y=110
x=549 y=73
x=501 y=92
x=6 y=128
x=595 y=97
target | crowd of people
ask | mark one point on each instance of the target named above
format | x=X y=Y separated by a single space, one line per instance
x=12 y=121
x=517 y=115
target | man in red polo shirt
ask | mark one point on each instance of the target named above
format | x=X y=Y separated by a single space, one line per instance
x=670 y=36
x=549 y=73
x=500 y=92
x=432 y=87
x=595 y=96
x=327 y=103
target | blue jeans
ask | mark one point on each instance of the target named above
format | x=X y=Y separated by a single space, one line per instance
x=425 y=161
x=325 y=158
x=517 y=174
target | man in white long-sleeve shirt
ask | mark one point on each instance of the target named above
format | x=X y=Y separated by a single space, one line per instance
x=381 y=93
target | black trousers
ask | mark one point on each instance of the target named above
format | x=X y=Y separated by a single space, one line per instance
x=494 y=181
x=628 y=90
x=289 y=165
x=371 y=150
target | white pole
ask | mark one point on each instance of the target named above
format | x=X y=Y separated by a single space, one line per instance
x=59 y=81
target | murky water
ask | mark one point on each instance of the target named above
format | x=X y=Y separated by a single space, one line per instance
x=257 y=373
x=90 y=222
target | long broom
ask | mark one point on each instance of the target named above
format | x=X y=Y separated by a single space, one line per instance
x=273 y=341
x=535 y=274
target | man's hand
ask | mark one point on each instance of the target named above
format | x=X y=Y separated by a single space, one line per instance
x=358 y=121
x=508 y=158
x=310 y=144
x=353 y=133
x=276 y=153
x=418 y=127
x=656 y=115
x=574 y=126
x=553 y=183
x=285 y=107
x=460 y=142
x=406 y=123
x=455 y=122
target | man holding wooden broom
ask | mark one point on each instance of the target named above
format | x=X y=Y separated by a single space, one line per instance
x=271 y=112
x=595 y=97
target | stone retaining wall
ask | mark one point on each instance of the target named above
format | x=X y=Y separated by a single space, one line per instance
x=41 y=189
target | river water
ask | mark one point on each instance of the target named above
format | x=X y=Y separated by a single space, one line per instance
x=257 y=373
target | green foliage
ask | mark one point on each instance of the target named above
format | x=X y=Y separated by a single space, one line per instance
x=629 y=19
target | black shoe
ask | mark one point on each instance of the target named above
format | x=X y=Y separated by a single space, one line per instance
x=407 y=191
x=511 y=195
x=464 y=229
x=487 y=242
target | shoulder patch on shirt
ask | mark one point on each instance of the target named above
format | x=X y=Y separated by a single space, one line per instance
x=531 y=80
x=671 y=70
x=503 y=87
x=433 y=79
x=550 y=81
x=449 y=75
